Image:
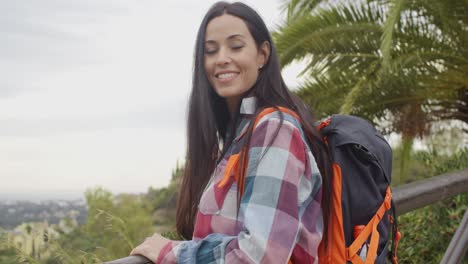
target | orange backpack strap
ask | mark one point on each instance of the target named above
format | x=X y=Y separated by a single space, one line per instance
x=270 y=110
x=370 y=230
x=233 y=162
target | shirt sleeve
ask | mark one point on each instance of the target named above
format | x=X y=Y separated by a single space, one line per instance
x=270 y=207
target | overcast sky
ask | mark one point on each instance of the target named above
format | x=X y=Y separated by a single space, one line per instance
x=94 y=92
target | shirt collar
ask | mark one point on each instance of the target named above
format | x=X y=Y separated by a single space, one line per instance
x=248 y=106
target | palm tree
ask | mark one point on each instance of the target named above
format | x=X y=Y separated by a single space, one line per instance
x=401 y=64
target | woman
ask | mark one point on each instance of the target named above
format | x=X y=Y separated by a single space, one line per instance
x=277 y=215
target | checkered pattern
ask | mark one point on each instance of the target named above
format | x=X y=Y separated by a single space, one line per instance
x=279 y=217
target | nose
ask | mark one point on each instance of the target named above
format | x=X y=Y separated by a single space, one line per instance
x=223 y=57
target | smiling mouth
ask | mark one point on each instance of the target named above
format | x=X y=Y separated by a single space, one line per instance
x=226 y=77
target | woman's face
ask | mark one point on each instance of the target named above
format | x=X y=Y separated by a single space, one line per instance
x=232 y=59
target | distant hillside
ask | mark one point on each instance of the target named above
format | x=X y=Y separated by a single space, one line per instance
x=45 y=195
x=13 y=213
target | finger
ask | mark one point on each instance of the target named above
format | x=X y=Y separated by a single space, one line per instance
x=156 y=235
x=135 y=251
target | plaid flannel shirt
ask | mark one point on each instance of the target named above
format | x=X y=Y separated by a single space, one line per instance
x=279 y=218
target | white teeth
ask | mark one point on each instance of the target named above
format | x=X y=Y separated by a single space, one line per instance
x=226 y=75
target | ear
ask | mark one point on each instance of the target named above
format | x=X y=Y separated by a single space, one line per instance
x=263 y=53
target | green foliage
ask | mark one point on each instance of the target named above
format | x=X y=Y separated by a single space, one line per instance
x=10 y=253
x=163 y=201
x=8 y=256
x=438 y=164
x=173 y=235
x=428 y=231
x=114 y=226
x=166 y=197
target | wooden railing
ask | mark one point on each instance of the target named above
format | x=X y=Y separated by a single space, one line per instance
x=418 y=194
x=408 y=198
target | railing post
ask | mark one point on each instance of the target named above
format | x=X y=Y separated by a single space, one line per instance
x=459 y=243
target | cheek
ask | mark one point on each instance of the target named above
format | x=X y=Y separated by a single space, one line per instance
x=206 y=67
x=208 y=70
x=251 y=74
x=250 y=67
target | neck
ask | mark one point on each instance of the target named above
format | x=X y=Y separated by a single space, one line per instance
x=233 y=106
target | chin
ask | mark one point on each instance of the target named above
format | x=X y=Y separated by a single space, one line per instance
x=227 y=92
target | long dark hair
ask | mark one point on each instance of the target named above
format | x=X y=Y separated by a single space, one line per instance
x=208 y=117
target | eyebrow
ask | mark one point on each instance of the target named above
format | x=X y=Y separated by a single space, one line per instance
x=233 y=36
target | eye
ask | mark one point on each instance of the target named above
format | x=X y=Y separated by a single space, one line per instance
x=210 y=51
x=211 y=48
x=237 y=47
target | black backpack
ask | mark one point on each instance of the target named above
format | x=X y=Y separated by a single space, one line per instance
x=363 y=213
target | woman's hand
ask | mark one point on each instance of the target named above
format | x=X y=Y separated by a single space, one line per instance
x=151 y=247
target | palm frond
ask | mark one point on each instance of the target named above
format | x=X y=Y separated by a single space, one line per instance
x=388 y=28
x=329 y=31
x=298 y=8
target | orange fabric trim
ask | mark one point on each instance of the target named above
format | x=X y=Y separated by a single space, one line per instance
x=232 y=163
x=370 y=230
x=337 y=232
x=336 y=251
